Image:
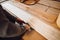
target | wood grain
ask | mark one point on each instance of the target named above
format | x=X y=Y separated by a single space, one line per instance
x=33 y=35
x=54 y=4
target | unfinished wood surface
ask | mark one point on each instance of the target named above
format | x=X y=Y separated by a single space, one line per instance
x=39 y=7
x=42 y=27
x=44 y=12
x=49 y=32
x=54 y=4
x=33 y=35
x=40 y=12
x=53 y=11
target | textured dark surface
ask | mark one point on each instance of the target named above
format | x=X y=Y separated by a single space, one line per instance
x=8 y=27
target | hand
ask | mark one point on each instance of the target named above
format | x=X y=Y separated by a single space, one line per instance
x=27 y=27
x=20 y=21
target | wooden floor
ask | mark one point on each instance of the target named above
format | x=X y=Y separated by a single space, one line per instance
x=33 y=35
